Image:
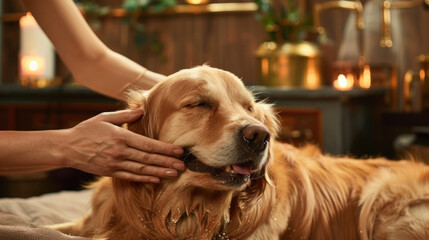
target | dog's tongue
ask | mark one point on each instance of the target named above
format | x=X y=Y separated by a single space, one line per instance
x=242 y=169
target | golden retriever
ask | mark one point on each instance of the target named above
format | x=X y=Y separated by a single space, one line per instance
x=242 y=184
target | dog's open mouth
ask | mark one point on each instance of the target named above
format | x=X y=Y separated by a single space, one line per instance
x=232 y=175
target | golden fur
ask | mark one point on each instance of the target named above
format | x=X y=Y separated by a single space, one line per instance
x=303 y=194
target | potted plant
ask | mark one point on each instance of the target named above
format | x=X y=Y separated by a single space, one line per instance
x=287 y=58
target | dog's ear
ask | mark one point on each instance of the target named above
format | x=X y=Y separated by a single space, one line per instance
x=138 y=99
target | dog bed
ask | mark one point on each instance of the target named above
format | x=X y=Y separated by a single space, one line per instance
x=25 y=218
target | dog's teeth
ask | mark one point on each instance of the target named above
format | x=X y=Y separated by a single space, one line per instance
x=228 y=169
x=232 y=171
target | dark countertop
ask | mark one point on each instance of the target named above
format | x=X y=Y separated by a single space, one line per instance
x=74 y=93
x=64 y=93
x=308 y=94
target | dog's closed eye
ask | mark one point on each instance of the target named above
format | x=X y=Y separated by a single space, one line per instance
x=199 y=104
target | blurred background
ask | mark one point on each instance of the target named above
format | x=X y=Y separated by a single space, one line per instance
x=348 y=76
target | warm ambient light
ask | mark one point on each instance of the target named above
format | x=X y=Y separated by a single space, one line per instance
x=197 y=1
x=344 y=83
x=32 y=66
x=37 y=56
x=365 y=79
x=27 y=21
x=313 y=78
x=265 y=65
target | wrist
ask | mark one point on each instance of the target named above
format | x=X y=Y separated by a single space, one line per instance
x=60 y=148
x=152 y=78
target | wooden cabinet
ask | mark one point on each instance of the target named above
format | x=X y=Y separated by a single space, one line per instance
x=23 y=108
x=300 y=126
x=43 y=116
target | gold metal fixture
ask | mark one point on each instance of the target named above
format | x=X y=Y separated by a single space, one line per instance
x=292 y=64
x=355 y=6
x=386 y=6
x=241 y=7
x=210 y=8
x=197 y=1
x=348 y=5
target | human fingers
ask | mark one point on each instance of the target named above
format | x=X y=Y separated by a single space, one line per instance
x=120 y=117
x=129 y=176
x=154 y=159
x=150 y=145
x=146 y=170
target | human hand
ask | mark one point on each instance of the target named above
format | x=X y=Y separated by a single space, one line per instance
x=100 y=146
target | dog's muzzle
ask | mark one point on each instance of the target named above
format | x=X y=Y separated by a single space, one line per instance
x=230 y=175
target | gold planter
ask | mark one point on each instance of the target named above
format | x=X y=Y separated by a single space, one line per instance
x=295 y=64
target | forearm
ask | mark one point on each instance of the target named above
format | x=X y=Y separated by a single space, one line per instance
x=27 y=152
x=112 y=74
x=24 y=171
x=97 y=145
x=90 y=61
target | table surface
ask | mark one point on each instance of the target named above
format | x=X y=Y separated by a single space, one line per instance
x=76 y=93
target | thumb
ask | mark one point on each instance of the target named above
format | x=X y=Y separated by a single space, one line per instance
x=122 y=116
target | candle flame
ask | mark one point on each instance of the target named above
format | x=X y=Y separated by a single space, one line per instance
x=32 y=66
x=196 y=1
x=422 y=73
x=365 y=79
x=343 y=82
x=408 y=78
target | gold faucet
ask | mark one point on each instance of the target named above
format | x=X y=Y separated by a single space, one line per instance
x=348 y=5
x=386 y=6
x=355 y=6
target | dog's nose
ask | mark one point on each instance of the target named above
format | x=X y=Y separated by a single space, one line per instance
x=256 y=137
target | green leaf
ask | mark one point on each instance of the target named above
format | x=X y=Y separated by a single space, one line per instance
x=129 y=5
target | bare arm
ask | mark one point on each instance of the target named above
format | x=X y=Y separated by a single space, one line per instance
x=97 y=145
x=92 y=63
x=25 y=152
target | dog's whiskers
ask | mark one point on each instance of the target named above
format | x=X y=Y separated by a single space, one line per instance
x=257 y=175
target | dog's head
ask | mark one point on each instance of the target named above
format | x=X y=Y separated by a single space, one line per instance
x=225 y=133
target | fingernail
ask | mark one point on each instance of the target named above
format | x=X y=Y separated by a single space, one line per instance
x=179 y=166
x=178 y=151
x=171 y=173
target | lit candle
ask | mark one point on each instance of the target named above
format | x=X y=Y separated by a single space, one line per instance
x=36 y=51
x=365 y=78
x=344 y=83
x=197 y=1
